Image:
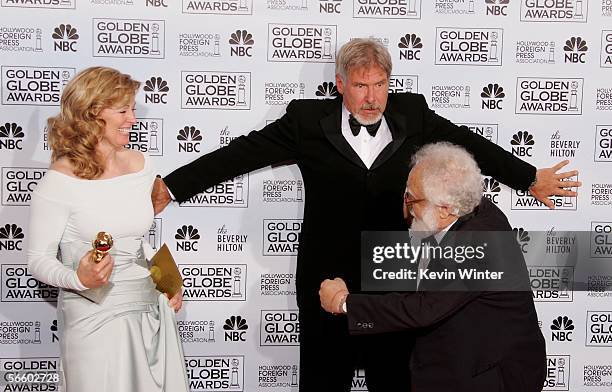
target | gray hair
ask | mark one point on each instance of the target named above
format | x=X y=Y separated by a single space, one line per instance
x=450 y=176
x=362 y=52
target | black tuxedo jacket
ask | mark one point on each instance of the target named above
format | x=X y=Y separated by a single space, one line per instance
x=465 y=340
x=342 y=197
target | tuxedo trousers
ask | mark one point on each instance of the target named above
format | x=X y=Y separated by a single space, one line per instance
x=330 y=357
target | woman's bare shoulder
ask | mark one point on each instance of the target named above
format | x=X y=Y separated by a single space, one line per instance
x=134 y=158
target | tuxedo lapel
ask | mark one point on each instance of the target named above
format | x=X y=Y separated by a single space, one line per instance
x=332 y=128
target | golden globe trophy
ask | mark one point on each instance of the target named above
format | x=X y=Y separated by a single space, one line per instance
x=101 y=245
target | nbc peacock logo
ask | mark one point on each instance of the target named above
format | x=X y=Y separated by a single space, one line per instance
x=11 y=135
x=11 y=237
x=65 y=37
x=189 y=139
x=235 y=329
x=156 y=90
x=492 y=96
x=575 y=49
x=187 y=237
x=241 y=42
x=327 y=90
x=410 y=46
x=522 y=144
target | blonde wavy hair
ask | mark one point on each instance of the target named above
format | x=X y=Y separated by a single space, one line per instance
x=77 y=130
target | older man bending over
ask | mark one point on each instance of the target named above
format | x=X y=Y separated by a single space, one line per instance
x=468 y=340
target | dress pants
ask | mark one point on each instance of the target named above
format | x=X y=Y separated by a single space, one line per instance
x=329 y=356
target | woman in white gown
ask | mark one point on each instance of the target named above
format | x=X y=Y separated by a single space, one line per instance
x=125 y=339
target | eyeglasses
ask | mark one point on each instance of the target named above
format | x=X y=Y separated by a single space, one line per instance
x=409 y=201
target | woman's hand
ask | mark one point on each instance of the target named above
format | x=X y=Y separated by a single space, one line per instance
x=92 y=274
x=176 y=302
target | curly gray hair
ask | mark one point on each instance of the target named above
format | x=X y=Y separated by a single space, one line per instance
x=362 y=52
x=450 y=176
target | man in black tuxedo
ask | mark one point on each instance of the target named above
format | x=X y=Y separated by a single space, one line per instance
x=353 y=154
x=470 y=335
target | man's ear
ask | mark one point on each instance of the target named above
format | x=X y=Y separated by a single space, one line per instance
x=339 y=84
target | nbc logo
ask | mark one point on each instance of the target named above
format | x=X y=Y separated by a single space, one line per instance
x=522 y=237
x=156 y=90
x=522 y=144
x=492 y=96
x=330 y=6
x=497 y=7
x=11 y=237
x=575 y=50
x=491 y=189
x=561 y=329
x=410 y=46
x=156 y=3
x=326 y=90
x=189 y=139
x=65 y=37
x=11 y=136
x=187 y=238
x=235 y=329
x=242 y=43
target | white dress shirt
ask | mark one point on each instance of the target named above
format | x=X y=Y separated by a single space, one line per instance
x=367 y=147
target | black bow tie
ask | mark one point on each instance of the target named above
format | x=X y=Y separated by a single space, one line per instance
x=356 y=126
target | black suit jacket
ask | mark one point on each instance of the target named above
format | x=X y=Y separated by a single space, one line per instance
x=465 y=341
x=342 y=197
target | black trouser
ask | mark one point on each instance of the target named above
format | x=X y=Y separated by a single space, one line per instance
x=329 y=356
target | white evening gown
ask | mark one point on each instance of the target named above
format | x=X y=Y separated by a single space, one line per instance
x=128 y=342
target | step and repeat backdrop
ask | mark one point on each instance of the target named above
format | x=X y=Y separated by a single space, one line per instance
x=533 y=76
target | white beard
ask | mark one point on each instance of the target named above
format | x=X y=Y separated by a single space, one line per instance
x=363 y=121
x=426 y=226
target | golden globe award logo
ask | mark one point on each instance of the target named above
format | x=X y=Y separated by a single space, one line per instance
x=215 y=90
x=557 y=373
x=554 y=10
x=603 y=143
x=58 y=4
x=218 y=7
x=18 y=285
x=231 y=193
x=470 y=46
x=37 y=86
x=387 y=9
x=404 y=84
x=129 y=38
x=302 y=43
x=217 y=373
x=214 y=282
x=18 y=184
x=279 y=328
x=551 y=96
x=281 y=236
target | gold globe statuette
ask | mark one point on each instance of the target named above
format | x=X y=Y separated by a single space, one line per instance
x=101 y=246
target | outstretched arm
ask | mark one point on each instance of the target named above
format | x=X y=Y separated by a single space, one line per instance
x=277 y=142
x=496 y=162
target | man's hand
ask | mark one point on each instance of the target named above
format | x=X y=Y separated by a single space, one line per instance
x=549 y=183
x=160 y=195
x=331 y=293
